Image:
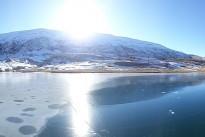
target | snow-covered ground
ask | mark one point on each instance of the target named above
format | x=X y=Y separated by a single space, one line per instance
x=98 y=66
x=15 y=66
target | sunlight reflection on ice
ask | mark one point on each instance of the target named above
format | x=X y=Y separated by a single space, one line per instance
x=79 y=86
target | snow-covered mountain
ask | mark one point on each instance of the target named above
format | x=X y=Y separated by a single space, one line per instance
x=43 y=47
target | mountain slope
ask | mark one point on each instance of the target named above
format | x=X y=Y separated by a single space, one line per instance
x=42 y=47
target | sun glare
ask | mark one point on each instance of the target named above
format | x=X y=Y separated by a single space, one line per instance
x=81 y=19
x=79 y=86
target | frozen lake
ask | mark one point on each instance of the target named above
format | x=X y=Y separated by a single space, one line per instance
x=102 y=105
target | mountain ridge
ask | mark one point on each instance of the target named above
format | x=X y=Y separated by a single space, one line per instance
x=44 y=47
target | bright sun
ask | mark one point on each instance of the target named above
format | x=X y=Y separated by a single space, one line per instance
x=81 y=19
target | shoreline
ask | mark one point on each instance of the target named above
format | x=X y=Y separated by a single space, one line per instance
x=141 y=70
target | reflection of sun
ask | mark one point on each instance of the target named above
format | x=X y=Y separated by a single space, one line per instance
x=79 y=86
x=80 y=18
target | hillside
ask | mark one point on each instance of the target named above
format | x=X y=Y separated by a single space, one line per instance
x=49 y=49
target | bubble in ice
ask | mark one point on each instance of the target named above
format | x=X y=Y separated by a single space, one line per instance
x=18 y=100
x=14 y=120
x=29 y=109
x=27 y=130
x=27 y=115
x=56 y=106
x=171 y=112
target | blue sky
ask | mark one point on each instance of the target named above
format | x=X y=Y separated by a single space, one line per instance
x=177 y=24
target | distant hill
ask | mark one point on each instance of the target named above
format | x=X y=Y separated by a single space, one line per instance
x=50 y=48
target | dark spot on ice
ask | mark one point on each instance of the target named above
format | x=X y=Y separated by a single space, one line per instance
x=33 y=97
x=27 y=130
x=1 y=103
x=56 y=106
x=18 y=104
x=17 y=100
x=26 y=114
x=29 y=109
x=14 y=120
x=2 y=136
